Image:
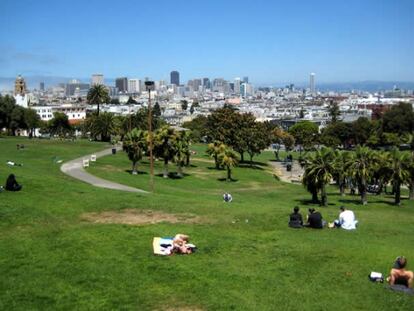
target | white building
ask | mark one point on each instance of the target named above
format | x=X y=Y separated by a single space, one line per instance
x=134 y=86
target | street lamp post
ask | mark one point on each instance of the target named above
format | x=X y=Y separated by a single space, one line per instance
x=149 y=85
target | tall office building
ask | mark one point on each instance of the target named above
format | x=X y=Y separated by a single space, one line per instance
x=206 y=83
x=312 y=83
x=237 y=86
x=134 y=86
x=175 y=77
x=245 y=79
x=122 y=84
x=75 y=86
x=42 y=86
x=97 y=78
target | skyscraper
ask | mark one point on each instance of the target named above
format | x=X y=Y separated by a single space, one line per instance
x=245 y=79
x=237 y=86
x=312 y=83
x=122 y=84
x=42 y=86
x=175 y=77
x=97 y=78
x=134 y=86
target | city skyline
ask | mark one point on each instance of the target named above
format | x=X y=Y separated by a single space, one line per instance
x=271 y=42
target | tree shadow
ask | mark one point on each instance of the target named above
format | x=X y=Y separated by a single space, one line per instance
x=307 y=202
x=172 y=175
x=245 y=162
x=138 y=172
x=214 y=168
x=253 y=167
x=225 y=179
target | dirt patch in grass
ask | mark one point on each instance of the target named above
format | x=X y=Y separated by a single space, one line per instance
x=139 y=217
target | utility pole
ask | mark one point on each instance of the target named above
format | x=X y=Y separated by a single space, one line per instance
x=150 y=86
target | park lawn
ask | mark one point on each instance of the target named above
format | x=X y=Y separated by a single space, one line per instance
x=248 y=259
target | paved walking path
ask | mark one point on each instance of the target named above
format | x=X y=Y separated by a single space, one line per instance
x=75 y=169
x=294 y=176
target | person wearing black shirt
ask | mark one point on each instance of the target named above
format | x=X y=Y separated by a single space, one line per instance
x=295 y=219
x=11 y=184
x=314 y=219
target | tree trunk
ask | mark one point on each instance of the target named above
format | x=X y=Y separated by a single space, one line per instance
x=216 y=161
x=324 y=197
x=397 y=194
x=165 y=174
x=251 y=160
x=277 y=155
x=241 y=156
x=187 y=160
x=411 y=189
x=134 y=168
x=315 y=196
x=363 y=191
x=180 y=169
x=228 y=173
x=98 y=109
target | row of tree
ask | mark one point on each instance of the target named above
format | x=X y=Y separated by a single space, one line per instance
x=361 y=169
x=168 y=144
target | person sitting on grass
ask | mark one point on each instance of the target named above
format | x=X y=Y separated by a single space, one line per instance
x=399 y=275
x=11 y=184
x=314 y=219
x=346 y=219
x=295 y=219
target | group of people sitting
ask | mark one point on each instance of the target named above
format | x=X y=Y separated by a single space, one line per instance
x=346 y=219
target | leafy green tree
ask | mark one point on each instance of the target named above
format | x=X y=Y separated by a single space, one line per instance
x=97 y=95
x=305 y=134
x=17 y=120
x=115 y=101
x=131 y=101
x=362 y=130
x=156 y=111
x=197 y=127
x=391 y=139
x=228 y=159
x=334 y=111
x=59 y=125
x=140 y=120
x=164 y=145
x=32 y=120
x=319 y=169
x=7 y=104
x=361 y=167
x=399 y=119
x=409 y=163
x=220 y=126
x=257 y=139
x=336 y=133
x=214 y=150
x=135 y=144
x=244 y=129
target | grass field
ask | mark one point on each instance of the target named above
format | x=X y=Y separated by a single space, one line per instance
x=248 y=259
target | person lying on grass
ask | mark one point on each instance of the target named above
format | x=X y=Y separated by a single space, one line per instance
x=399 y=275
x=181 y=245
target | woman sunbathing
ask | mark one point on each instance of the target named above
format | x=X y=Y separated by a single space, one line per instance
x=180 y=242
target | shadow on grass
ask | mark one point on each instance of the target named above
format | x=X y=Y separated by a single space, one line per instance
x=172 y=175
x=214 y=168
x=225 y=179
x=138 y=172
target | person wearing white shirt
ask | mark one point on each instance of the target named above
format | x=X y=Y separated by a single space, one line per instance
x=346 y=219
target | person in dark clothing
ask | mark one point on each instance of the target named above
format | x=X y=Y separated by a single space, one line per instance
x=295 y=219
x=314 y=219
x=11 y=184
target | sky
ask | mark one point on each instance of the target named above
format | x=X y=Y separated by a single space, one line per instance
x=269 y=41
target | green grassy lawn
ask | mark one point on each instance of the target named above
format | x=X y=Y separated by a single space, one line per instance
x=248 y=259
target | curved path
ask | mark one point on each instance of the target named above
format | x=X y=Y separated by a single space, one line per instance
x=75 y=169
x=294 y=176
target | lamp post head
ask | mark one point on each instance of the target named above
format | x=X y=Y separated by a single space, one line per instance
x=149 y=85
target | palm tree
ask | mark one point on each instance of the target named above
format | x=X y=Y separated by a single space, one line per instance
x=98 y=94
x=228 y=159
x=135 y=144
x=214 y=150
x=361 y=166
x=185 y=137
x=341 y=158
x=319 y=168
x=103 y=126
x=164 y=145
x=181 y=151
x=409 y=160
x=399 y=172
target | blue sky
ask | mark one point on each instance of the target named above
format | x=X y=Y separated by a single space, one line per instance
x=269 y=41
